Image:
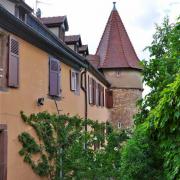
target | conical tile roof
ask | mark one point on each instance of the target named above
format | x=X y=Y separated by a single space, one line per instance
x=115 y=49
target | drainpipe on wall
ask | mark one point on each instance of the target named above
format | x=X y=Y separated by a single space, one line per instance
x=84 y=88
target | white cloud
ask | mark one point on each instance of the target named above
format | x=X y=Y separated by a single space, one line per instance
x=89 y=17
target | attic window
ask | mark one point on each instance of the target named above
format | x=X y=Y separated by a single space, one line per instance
x=20 y=13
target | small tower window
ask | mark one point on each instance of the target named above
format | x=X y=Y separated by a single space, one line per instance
x=118 y=73
x=119 y=125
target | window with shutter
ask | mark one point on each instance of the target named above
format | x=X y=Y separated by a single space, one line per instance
x=54 y=77
x=13 y=64
x=109 y=98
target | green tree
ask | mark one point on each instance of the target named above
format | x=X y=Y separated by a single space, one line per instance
x=154 y=150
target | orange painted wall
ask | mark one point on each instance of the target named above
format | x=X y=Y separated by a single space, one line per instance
x=34 y=72
x=97 y=112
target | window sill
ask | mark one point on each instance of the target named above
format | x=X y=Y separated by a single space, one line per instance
x=3 y=89
x=77 y=93
x=55 y=97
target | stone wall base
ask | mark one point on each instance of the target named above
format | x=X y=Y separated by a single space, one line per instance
x=124 y=107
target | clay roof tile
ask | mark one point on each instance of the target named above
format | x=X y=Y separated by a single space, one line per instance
x=55 y=21
x=115 y=49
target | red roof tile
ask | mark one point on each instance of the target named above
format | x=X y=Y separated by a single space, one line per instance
x=83 y=48
x=72 y=39
x=94 y=60
x=115 y=49
x=55 y=21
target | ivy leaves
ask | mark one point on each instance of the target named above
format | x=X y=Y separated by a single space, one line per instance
x=60 y=146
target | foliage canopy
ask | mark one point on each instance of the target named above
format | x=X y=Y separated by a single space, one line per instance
x=154 y=149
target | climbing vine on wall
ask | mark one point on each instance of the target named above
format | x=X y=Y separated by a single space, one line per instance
x=65 y=150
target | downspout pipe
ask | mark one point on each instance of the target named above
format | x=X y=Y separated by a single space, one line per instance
x=84 y=88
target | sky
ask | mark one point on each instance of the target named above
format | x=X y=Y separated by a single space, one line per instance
x=89 y=17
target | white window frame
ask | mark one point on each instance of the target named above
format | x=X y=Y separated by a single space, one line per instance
x=90 y=91
x=75 y=81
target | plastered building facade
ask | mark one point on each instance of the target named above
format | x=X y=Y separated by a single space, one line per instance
x=42 y=69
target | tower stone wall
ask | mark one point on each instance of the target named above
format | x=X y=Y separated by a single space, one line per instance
x=127 y=87
x=124 y=78
x=124 y=106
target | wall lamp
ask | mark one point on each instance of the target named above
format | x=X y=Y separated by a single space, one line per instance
x=40 y=101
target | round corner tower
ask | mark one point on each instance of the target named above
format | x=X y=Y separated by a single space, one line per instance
x=120 y=65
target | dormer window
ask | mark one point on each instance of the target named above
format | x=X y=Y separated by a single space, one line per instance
x=58 y=25
x=22 y=9
x=20 y=13
x=83 y=50
x=74 y=42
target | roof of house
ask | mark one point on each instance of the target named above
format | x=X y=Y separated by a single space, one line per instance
x=94 y=60
x=83 y=48
x=22 y=4
x=115 y=49
x=55 y=21
x=73 y=39
x=37 y=34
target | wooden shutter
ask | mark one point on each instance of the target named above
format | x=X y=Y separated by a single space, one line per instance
x=97 y=94
x=102 y=96
x=89 y=87
x=54 y=77
x=13 y=64
x=109 y=98
x=94 y=91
